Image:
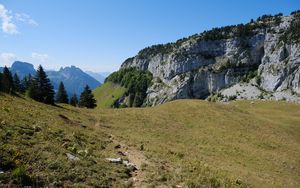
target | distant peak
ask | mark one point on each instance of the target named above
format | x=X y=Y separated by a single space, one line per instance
x=21 y=63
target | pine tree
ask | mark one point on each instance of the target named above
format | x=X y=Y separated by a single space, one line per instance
x=17 y=83
x=62 y=96
x=74 y=100
x=87 y=98
x=7 y=81
x=0 y=81
x=26 y=82
x=41 y=89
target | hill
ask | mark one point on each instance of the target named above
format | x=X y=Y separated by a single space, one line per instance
x=108 y=94
x=56 y=146
x=185 y=143
x=261 y=57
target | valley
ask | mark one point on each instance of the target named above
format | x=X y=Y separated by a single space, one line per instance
x=179 y=94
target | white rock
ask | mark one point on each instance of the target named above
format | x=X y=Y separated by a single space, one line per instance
x=72 y=157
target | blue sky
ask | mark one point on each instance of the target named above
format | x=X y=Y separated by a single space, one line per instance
x=98 y=35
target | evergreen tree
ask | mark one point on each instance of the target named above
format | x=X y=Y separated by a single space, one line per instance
x=62 y=96
x=87 y=98
x=41 y=89
x=74 y=100
x=17 y=83
x=26 y=82
x=0 y=81
x=7 y=81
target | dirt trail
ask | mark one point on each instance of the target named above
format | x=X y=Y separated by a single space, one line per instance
x=134 y=156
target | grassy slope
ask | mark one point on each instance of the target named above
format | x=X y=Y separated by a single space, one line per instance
x=36 y=138
x=107 y=94
x=194 y=142
x=187 y=142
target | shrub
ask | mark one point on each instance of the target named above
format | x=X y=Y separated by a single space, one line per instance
x=292 y=35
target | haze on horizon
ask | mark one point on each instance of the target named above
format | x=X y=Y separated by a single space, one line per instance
x=99 y=35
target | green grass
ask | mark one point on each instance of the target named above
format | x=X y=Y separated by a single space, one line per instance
x=197 y=143
x=191 y=143
x=34 y=141
x=107 y=94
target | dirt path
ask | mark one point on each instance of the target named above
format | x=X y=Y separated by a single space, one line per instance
x=134 y=156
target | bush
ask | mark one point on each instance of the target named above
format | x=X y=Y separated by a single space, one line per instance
x=232 y=97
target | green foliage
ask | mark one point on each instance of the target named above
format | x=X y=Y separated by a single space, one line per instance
x=251 y=74
x=137 y=83
x=87 y=98
x=215 y=97
x=62 y=96
x=7 y=84
x=41 y=89
x=292 y=35
x=17 y=83
x=21 y=176
x=109 y=94
x=0 y=81
x=74 y=100
x=240 y=30
x=26 y=82
x=155 y=49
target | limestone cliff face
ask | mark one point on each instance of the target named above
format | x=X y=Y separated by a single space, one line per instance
x=211 y=61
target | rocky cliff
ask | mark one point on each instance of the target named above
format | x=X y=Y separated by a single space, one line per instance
x=264 y=54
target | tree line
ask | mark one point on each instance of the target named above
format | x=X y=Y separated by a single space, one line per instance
x=136 y=82
x=40 y=89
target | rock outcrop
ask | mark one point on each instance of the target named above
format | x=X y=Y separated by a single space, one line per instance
x=265 y=52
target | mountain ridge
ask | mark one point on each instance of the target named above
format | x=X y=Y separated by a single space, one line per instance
x=73 y=77
x=265 y=53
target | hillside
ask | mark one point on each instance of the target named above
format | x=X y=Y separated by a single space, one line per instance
x=108 y=94
x=43 y=146
x=263 y=55
x=185 y=143
x=197 y=143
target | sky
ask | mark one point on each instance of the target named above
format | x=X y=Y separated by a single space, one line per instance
x=98 y=35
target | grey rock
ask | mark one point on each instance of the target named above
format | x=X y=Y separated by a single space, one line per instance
x=197 y=68
x=115 y=160
x=72 y=157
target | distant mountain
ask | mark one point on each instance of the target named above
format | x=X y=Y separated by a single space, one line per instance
x=73 y=78
x=100 y=76
x=21 y=68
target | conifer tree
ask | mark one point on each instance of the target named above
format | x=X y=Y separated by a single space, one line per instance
x=26 y=82
x=41 y=89
x=74 y=100
x=0 y=81
x=87 y=98
x=7 y=81
x=62 y=96
x=17 y=83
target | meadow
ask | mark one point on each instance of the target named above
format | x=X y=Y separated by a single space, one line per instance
x=184 y=143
